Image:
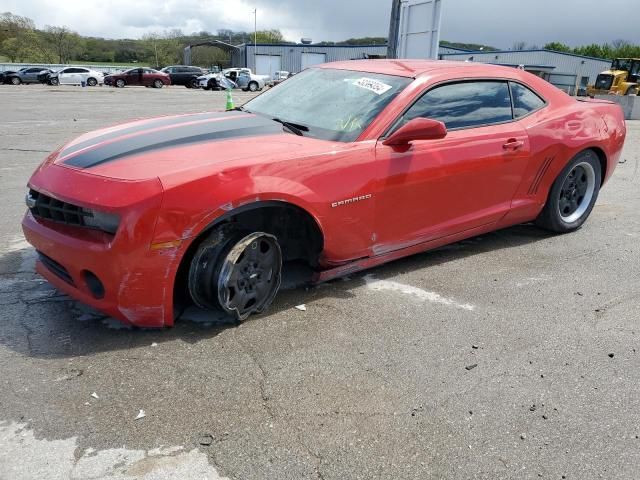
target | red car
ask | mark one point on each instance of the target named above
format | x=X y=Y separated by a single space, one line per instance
x=342 y=167
x=147 y=77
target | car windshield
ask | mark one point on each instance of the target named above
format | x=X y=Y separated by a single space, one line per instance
x=332 y=104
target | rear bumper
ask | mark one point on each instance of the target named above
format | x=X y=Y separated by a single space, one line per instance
x=138 y=284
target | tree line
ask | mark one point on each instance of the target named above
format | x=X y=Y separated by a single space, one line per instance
x=21 y=41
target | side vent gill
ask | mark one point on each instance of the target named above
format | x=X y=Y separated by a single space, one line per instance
x=533 y=189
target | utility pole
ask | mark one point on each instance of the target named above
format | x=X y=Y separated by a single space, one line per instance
x=155 y=47
x=255 y=40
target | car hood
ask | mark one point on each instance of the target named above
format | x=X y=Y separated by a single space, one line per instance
x=166 y=146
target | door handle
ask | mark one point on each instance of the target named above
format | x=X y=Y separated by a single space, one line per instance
x=513 y=144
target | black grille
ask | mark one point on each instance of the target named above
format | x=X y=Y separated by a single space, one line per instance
x=55 y=268
x=604 y=81
x=43 y=206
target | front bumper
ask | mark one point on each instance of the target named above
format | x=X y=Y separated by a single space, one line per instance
x=136 y=278
x=137 y=286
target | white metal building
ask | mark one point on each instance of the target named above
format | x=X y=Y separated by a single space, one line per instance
x=567 y=71
x=272 y=57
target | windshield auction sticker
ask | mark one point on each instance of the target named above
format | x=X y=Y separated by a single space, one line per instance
x=372 y=85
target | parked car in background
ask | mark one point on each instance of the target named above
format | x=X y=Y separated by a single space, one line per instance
x=45 y=75
x=25 y=75
x=5 y=74
x=215 y=81
x=383 y=159
x=76 y=76
x=245 y=79
x=147 y=77
x=182 y=75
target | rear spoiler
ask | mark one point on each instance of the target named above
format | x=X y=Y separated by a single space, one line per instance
x=593 y=100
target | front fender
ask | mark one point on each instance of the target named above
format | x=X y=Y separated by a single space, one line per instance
x=188 y=210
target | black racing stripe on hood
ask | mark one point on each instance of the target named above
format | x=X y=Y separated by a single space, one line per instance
x=184 y=135
x=149 y=125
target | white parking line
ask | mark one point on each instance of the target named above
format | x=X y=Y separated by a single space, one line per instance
x=424 y=295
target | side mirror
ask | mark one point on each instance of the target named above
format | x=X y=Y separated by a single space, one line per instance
x=417 y=129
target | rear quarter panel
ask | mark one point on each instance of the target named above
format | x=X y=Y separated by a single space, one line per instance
x=557 y=133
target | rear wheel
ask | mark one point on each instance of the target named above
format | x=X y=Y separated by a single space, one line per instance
x=158 y=84
x=92 y=82
x=212 y=84
x=193 y=83
x=236 y=270
x=632 y=91
x=573 y=194
x=120 y=83
x=253 y=86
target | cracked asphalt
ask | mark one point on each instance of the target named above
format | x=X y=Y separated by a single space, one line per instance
x=511 y=355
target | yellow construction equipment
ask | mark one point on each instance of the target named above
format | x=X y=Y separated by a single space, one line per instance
x=623 y=78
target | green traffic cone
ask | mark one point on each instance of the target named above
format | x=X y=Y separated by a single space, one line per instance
x=229 y=100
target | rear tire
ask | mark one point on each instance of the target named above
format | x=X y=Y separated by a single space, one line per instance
x=253 y=86
x=236 y=271
x=92 y=82
x=573 y=194
x=193 y=83
x=632 y=91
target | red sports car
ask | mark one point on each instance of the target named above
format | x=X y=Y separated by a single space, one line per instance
x=342 y=167
x=147 y=77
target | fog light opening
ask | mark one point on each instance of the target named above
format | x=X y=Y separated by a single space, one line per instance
x=94 y=284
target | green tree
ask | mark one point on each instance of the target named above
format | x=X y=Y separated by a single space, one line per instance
x=557 y=47
x=65 y=43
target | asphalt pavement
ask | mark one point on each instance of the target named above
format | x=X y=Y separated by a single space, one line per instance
x=514 y=355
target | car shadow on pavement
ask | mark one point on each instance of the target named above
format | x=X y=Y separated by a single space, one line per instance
x=42 y=322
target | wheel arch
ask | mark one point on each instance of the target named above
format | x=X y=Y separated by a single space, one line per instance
x=311 y=228
x=602 y=158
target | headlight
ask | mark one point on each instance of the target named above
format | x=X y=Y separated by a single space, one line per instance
x=107 y=222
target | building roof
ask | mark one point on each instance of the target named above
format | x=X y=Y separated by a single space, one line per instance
x=498 y=52
x=304 y=45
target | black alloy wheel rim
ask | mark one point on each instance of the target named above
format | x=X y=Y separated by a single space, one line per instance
x=250 y=275
x=576 y=192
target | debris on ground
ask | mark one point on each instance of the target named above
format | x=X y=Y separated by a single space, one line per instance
x=302 y=308
x=141 y=414
x=471 y=367
x=523 y=436
x=206 y=439
x=95 y=395
x=611 y=355
x=475 y=347
x=154 y=344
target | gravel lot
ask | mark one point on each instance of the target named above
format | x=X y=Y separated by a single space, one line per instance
x=373 y=380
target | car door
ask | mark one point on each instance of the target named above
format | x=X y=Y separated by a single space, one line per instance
x=435 y=188
x=65 y=76
x=32 y=74
x=134 y=77
x=82 y=74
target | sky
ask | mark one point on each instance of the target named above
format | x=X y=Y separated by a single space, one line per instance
x=498 y=23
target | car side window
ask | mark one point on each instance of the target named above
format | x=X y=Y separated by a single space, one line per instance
x=525 y=101
x=464 y=104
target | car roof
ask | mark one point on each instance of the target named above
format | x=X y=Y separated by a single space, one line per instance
x=414 y=68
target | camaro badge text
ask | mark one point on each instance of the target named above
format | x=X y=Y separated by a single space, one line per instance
x=351 y=200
